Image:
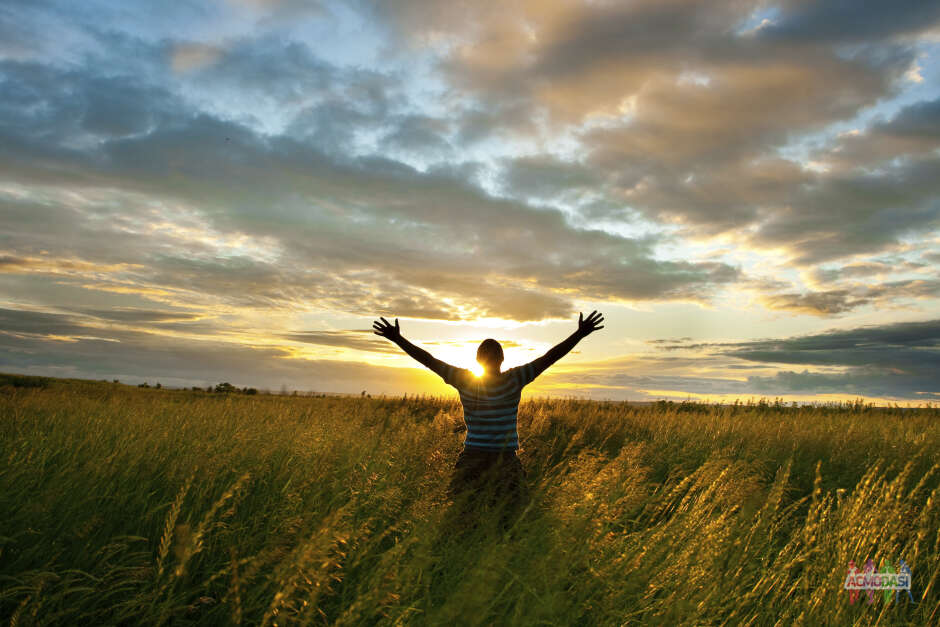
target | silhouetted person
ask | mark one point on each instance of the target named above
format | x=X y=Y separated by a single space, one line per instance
x=490 y=405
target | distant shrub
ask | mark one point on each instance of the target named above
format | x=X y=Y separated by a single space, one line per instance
x=686 y=406
x=24 y=381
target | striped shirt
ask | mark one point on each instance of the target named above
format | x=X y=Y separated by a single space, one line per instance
x=490 y=404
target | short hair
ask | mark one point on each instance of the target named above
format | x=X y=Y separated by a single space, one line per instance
x=490 y=350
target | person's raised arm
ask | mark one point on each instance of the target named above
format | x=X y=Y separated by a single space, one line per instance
x=393 y=333
x=451 y=375
x=586 y=326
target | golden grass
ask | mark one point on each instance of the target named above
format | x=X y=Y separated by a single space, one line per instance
x=128 y=506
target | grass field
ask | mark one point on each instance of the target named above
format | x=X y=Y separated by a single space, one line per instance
x=141 y=506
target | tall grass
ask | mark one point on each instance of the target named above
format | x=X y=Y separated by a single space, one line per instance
x=153 y=507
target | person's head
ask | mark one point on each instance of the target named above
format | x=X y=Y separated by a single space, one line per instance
x=490 y=355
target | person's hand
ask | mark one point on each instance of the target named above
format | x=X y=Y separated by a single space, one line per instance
x=387 y=330
x=589 y=325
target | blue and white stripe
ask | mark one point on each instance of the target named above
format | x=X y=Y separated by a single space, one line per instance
x=490 y=404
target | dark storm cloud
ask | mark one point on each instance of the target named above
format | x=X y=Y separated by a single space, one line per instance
x=99 y=323
x=845 y=21
x=862 y=381
x=39 y=323
x=919 y=120
x=899 y=360
x=913 y=132
x=924 y=333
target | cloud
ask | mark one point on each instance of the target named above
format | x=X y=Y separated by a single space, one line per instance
x=703 y=153
x=576 y=59
x=14 y=321
x=867 y=382
x=857 y=213
x=480 y=255
x=287 y=72
x=887 y=294
x=140 y=316
x=866 y=269
x=898 y=360
x=832 y=21
x=546 y=177
x=58 y=344
x=186 y=57
x=891 y=361
x=918 y=120
x=420 y=135
x=924 y=333
x=343 y=339
x=912 y=133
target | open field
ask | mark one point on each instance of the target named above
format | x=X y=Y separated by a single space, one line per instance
x=130 y=506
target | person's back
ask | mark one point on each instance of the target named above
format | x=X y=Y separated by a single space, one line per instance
x=490 y=405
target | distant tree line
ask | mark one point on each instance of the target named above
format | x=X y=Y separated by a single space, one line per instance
x=24 y=381
x=228 y=388
x=221 y=388
x=766 y=406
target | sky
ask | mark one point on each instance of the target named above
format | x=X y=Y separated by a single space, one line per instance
x=203 y=191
